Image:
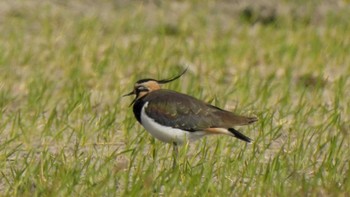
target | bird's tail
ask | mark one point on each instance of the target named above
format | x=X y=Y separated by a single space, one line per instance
x=239 y=135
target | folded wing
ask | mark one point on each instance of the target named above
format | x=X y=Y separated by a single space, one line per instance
x=188 y=113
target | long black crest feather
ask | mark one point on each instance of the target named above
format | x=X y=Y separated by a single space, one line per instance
x=163 y=81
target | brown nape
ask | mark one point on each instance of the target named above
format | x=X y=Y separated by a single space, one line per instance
x=152 y=85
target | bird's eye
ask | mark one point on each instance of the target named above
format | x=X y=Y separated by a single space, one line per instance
x=141 y=89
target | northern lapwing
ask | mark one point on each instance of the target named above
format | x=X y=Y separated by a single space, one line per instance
x=173 y=117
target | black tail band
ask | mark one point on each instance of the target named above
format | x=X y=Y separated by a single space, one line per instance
x=239 y=135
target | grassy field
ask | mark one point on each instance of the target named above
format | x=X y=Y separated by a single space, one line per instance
x=65 y=130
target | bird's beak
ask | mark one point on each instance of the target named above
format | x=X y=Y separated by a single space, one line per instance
x=129 y=94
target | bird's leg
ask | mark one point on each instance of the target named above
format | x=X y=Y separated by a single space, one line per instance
x=175 y=154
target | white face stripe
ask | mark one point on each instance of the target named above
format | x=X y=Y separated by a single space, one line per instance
x=165 y=133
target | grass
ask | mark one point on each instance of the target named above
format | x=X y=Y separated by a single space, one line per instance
x=65 y=130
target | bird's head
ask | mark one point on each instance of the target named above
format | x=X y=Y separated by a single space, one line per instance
x=144 y=86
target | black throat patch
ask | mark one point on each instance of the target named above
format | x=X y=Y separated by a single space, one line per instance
x=138 y=107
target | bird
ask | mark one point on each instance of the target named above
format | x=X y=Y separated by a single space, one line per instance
x=177 y=118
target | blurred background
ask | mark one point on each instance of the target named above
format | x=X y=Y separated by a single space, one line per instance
x=65 y=129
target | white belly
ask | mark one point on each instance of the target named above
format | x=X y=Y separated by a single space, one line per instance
x=165 y=133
